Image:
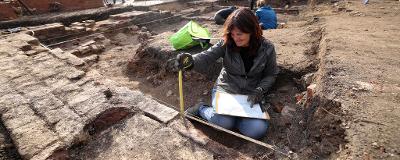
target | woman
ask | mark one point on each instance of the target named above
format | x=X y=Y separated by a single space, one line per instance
x=266 y=15
x=249 y=68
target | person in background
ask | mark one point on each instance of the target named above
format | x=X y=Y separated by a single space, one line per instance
x=115 y=1
x=266 y=15
x=252 y=4
x=249 y=68
x=222 y=14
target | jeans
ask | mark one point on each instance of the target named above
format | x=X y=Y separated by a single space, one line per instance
x=250 y=127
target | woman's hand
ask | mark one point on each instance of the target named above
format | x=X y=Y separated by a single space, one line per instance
x=256 y=97
x=184 y=61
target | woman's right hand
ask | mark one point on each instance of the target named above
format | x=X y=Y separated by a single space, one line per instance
x=184 y=61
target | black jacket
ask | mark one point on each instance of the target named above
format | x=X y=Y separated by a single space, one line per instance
x=233 y=77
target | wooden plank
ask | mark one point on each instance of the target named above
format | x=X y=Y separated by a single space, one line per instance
x=289 y=154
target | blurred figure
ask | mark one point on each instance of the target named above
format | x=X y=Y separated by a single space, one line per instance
x=266 y=15
x=222 y=14
x=115 y=1
x=252 y=3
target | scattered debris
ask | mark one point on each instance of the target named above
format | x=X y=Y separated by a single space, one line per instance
x=363 y=86
x=169 y=93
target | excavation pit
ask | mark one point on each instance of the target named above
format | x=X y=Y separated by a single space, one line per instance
x=138 y=59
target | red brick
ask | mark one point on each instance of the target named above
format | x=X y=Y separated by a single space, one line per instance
x=7 y=12
x=42 y=6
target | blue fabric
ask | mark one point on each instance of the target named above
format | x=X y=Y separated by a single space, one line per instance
x=267 y=17
x=251 y=127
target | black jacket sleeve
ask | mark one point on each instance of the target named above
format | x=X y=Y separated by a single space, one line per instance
x=206 y=58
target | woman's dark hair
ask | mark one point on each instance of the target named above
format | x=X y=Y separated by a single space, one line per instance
x=244 y=20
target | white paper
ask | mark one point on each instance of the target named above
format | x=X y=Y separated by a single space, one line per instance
x=236 y=105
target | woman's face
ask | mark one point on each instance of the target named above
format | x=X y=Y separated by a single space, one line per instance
x=241 y=39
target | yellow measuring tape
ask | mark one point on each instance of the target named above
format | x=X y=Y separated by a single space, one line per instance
x=181 y=92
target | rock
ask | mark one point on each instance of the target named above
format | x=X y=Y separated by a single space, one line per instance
x=27 y=38
x=143 y=36
x=364 y=86
x=311 y=90
x=48 y=30
x=169 y=93
x=88 y=43
x=84 y=50
x=58 y=52
x=31 y=52
x=75 y=24
x=91 y=59
x=128 y=15
x=121 y=36
x=100 y=38
x=106 y=42
x=75 y=52
x=143 y=29
x=90 y=21
x=159 y=111
x=26 y=47
x=90 y=24
x=88 y=29
x=339 y=9
x=77 y=74
x=134 y=28
x=307 y=79
x=78 y=29
x=299 y=97
x=94 y=48
x=375 y=145
x=287 y=114
x=74 y=60
x=282 y=25
x=101 y=47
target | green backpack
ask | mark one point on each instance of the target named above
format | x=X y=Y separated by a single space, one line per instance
x=183 y=39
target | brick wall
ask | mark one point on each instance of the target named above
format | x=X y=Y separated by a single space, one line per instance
x=7 y=12
x=42 y=6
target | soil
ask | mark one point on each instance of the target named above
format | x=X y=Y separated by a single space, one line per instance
x=360 y=75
